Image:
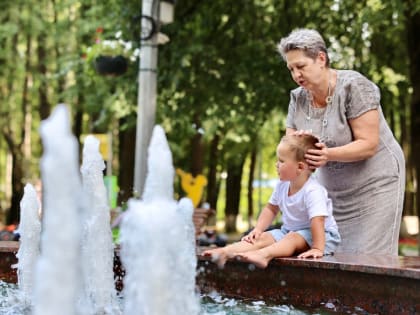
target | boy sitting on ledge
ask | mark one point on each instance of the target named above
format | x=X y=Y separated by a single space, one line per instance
x=308 y=230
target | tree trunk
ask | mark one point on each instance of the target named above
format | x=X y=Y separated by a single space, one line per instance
x=61 y=79
x=44 y=105
x=233 y=192
x=251 y=186
x=127 y=143
x=79 y=104
x=15 y=146
x=26 y=108
x=405 y=144
x=212 y=182
x=413 y=40
x=197 y=154
x=197 y=149
x=13 y=214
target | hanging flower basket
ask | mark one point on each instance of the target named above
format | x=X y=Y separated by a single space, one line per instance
x=111 y=65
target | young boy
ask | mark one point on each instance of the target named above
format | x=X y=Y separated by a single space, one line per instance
x=308 y=230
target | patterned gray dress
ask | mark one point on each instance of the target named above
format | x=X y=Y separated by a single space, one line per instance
x=367 y=195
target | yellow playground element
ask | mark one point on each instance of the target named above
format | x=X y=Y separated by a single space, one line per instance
x=192 y=186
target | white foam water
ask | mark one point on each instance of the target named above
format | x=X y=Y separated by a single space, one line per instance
x=28 y=253
x=57 y=273
x=97 y=249
x=72 y=274
x=157 y=243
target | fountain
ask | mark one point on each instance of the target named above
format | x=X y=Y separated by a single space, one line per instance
x=30 y=230
x=97 y=249
x=59 y=265
x=157 y=243
x=68 y=267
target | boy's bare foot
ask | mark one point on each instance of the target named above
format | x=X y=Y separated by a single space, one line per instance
x=254 y=257
x=218 y=256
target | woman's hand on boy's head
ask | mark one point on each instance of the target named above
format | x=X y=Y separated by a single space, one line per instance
x=317 y=157
x=313 y=252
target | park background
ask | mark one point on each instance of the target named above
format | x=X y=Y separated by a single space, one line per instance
x=223 y=89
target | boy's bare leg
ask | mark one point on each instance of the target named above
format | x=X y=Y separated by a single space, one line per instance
x=222 y=254
x=292 y=243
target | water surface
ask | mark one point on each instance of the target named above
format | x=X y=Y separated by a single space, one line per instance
x=210 y=304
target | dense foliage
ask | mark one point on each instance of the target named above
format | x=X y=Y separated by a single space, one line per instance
x=223 y=90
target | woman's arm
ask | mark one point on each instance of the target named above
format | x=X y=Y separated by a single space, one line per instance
x=365 y=129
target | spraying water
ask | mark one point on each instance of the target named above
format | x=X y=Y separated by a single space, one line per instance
x=57 y=275
x=157 y=243
x=97 y=249
x=72 y=274
x=30 y=231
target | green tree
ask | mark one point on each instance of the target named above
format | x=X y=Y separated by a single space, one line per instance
x=223 y=89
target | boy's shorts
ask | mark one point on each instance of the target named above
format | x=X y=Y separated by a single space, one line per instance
x=332 y=238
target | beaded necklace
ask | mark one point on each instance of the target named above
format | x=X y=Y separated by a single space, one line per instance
x=328 y=101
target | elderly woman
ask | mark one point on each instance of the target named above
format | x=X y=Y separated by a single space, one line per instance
x=358 y=159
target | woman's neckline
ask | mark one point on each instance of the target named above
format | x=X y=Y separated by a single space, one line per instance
x=330 y=94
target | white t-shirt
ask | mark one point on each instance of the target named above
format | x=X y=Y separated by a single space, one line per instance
x=298 y=210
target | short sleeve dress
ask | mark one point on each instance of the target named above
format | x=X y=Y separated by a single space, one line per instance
x=367 y=195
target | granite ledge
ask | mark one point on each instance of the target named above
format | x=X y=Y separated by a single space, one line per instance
x=9 y=246
x=399 y=266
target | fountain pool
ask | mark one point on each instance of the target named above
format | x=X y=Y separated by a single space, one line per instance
x=210 y=304
x=340 y=284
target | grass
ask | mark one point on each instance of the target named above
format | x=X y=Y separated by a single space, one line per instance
x=408 y=246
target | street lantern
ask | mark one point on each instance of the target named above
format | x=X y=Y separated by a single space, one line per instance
x=153 y=19
x=167 y=11
x=154 y=14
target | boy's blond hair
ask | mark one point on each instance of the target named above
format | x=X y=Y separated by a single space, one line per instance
x=300 y=144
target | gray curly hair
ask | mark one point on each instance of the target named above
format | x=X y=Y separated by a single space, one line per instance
x=307 y=40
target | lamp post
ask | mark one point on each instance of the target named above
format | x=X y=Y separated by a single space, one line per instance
x=154 y=13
